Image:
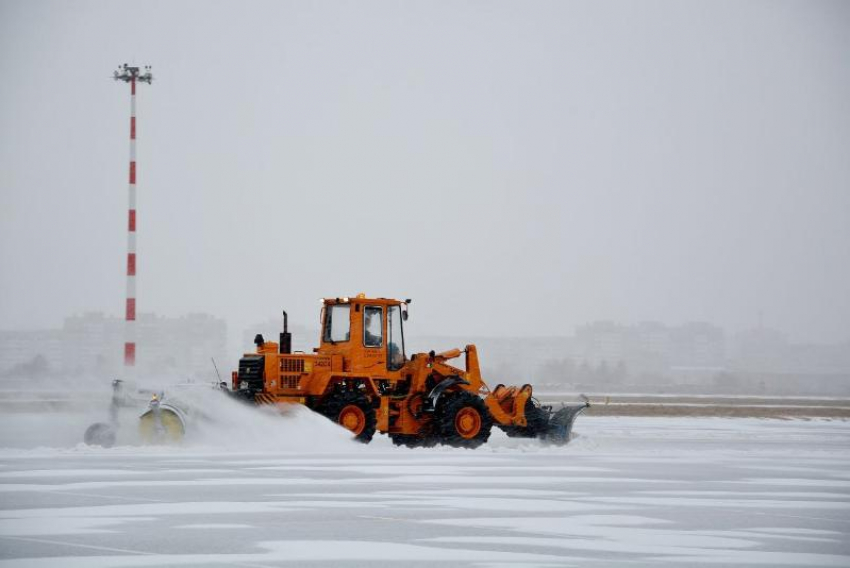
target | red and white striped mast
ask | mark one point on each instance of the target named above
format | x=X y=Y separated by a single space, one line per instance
x=131 y=75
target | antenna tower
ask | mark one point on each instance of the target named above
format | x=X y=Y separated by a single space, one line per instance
x=131 y=75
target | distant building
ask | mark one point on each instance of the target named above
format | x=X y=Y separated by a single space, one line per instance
x=651 y=346
x=603 y=341
x=698 y=344
x=652 y=350
x=93 y=343
x=765 y=350
x=20 y=348
x=760 y=349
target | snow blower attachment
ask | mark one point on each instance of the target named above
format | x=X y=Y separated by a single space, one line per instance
x=361 y=378
x=161 y=422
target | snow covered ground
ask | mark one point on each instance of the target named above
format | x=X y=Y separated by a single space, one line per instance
x=294 y=490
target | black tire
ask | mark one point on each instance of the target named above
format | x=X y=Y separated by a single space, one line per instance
x=537 y=423
x=335 y=406
x=413 y=441
x=448 y=420
x=100 y=434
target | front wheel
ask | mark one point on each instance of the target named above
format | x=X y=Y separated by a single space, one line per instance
x=100 y=434
x=462 y=420
x=352 y=411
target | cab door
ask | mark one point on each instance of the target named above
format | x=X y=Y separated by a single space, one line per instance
x=374 y=361
x=336 y=335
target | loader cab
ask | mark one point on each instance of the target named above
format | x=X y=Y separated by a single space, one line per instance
x=366 y=333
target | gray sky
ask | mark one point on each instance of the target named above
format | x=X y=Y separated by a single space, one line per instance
x=514 y=167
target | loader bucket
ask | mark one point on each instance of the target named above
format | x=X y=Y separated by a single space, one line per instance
x=561 y=423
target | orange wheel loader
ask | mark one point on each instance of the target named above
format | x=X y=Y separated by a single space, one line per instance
x=361 y=378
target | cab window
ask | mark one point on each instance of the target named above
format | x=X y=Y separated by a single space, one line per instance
x=373 y=326
x=337 y=323
x=395 y=339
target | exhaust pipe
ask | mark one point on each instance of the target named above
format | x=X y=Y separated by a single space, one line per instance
x=285 y=336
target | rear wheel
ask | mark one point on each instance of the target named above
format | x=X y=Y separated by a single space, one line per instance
x=461 y=419
x=353 y=412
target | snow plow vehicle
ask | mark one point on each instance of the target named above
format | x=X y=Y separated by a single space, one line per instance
x=361 y=378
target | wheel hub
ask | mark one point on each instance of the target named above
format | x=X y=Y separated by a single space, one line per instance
x=352 y=418
x=468 y=423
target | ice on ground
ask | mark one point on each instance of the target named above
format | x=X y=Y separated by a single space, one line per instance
x=627 y=491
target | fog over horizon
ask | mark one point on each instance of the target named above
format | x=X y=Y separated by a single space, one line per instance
x=516 y=168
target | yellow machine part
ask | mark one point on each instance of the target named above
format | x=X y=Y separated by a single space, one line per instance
x=171 y=431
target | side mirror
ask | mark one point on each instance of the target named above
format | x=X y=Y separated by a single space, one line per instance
x=404 y=315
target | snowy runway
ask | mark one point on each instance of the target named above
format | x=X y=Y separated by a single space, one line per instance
x=631 y=491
